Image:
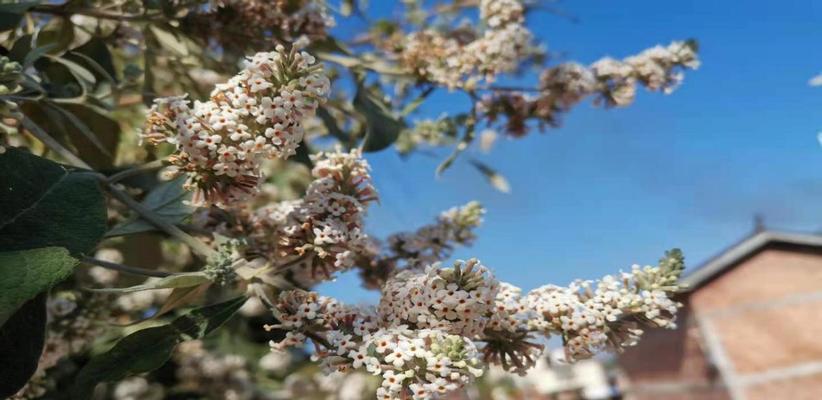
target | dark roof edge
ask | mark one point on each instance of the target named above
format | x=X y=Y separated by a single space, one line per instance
x=739 y=251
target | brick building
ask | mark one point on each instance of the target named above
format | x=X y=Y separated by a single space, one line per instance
x=750 y=328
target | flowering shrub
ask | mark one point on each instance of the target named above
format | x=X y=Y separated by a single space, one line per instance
x=179 y=176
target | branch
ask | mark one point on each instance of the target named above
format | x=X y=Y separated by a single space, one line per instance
x=125 y=268
x=52 y=144
x=198 y=246
x=467 y=138
x=156 y=164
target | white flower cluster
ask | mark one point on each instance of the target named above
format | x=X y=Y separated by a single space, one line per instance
x=456 y=300
x=138 y=388
x=567 y=84
x=420 y=362
x=321 y=385
x=72 y=326
x=435 y=242
x=457 y=61
x=220 y=376
x=592 y=318
x=256 y=115
x=435 y=330
x=612 y=82
x=657 y=68
x=323 y=232
x=498 y=13
x=607 y=315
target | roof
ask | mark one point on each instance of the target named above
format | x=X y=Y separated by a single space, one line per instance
x=738 y=252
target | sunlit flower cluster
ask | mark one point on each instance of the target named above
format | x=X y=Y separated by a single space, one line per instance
x=456 y=300
x=322 y=232
x=590 y=316
x=611 y=82
x=436 y=329
x=463 y=57
x=594 y=317
x=419 y=362
x=256 y=115
x=657 y=68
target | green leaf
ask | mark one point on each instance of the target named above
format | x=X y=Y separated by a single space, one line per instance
x=180 y=297
x=80 y=73
x=105 y=128
x=93 y=134
x=331 y=124
x=496 y=180
x=21 y=342
x=29 y=272
x=21 y=48
x=167 y=201
x=12 y=14
x=382 y=128
x=44 y=204
x=148 y=349
x=96 y=55
x=81 y=127
x=184 y=280
x=169 y=41
x=303 y=155
x=36 y=53
x=57 y=31
x=416 y=103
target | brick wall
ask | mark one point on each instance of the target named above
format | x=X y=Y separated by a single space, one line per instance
x=765 y=313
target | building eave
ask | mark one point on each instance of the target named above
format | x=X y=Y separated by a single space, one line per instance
x=745 y=248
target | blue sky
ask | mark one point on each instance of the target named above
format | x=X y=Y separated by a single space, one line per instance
x=615 y=187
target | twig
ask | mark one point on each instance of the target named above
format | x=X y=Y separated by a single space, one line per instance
x=125 y=268
x=53 y=144
x=156 y=164
x=467 y=137
x=198 y=246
